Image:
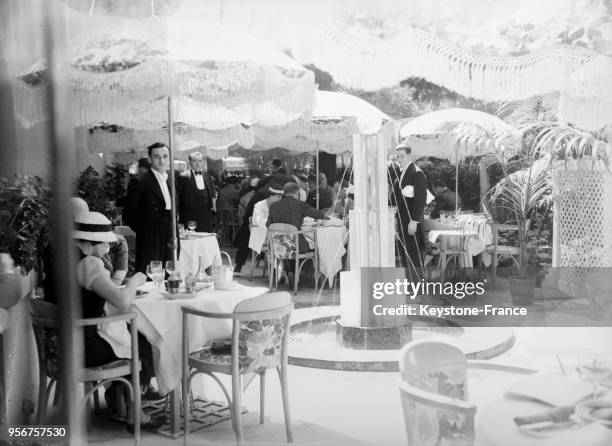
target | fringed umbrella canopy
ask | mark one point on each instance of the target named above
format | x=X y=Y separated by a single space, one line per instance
x=139 y=62
x=430 y=135
x=208 y=125
x=337 y=117
x=497 y=50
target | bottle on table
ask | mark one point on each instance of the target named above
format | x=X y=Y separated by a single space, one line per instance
x=189 y=283
x=201 y=279
x=174 y=283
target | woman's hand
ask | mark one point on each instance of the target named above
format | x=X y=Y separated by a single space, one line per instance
x=137 y=280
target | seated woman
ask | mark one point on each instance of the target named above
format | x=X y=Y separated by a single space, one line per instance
x=108 y=342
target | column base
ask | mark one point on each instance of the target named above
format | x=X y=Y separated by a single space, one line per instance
x=373 y=338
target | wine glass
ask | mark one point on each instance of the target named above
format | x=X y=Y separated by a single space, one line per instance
x=191 y=225
x=593 y=368
x=158 y=277
x=149 y=272
x=170 y=267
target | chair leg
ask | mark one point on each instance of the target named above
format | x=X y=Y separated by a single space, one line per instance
x=282 y=374
x=442 y=265
x=58 y=392
x=236 y=406
x=186 y=412
x=253 y=257
x=42 y=397
x=296 y=279
x=96 y=398
x=87 y=387
x=272 y=273
x=493 y=271
x=262 y=396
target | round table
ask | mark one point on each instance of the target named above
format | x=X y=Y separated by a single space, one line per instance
x=201 y=244
x=496 y=427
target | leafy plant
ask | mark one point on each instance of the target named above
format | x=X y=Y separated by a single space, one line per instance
x=523 y=194
x=24 y=204
x=91 y=187
x=114 y=182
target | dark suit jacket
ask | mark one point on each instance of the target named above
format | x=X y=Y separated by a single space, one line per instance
x=446 y=201
x=146 y=214
x=189 y=207
x=145 y=203
x=411 y=208
x=291 y=211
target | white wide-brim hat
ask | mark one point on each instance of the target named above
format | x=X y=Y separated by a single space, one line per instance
x=93 y=227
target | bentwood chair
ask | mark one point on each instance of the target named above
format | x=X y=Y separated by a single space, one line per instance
x=260 y=333
x=434 y=393
x=283 y=243
x=45 y=321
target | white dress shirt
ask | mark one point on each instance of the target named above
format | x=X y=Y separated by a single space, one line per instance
x=199 y=179
x=162 y=179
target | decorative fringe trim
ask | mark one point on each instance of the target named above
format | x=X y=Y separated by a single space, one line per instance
x=99 y=140
x=369 y=64
x=254 y=92
x=310 y=136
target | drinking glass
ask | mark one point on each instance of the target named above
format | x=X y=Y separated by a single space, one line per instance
x=149 y=272
x=191 y=225
x=157 y=272
x=593 y=368
x=170 y=267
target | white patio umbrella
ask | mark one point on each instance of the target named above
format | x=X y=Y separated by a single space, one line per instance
x=208 y=125
x=434 y=134
x=336 y=118
x=118 y=71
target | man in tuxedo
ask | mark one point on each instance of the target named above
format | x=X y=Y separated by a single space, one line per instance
x=148 y=210
x=195 y=193
x=410 y=191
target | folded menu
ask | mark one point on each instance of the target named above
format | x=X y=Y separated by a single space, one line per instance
x=555 y=390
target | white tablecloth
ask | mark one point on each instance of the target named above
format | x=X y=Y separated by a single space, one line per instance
x=331 y=241
x=205 y=245
x=474 y=245
x=160 y=320
x=497 y=428
x=257 y=238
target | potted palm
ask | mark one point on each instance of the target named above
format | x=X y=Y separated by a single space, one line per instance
x=523 y=194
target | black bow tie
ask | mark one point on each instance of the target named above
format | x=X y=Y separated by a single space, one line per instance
x=198 y=173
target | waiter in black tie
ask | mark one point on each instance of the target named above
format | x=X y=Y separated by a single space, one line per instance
x=410 y=191
x=149 y=210
x=195 y=193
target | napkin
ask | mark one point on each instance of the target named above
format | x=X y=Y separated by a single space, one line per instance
x=430 y=197
x=554 y=390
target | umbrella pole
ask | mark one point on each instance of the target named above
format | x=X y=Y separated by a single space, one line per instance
x=317 y=174
x=172 y=183
x=456 y=180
